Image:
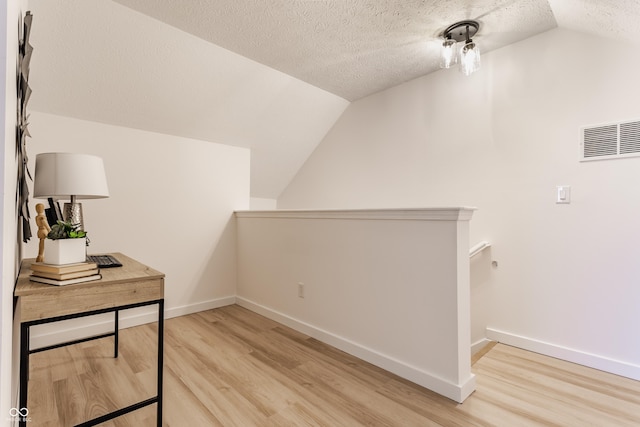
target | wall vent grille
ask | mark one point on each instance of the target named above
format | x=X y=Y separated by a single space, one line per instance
x=611 y=141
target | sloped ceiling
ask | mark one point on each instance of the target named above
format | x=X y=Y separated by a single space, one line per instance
x=352 y=48
x=99 y=61
x=269 y=75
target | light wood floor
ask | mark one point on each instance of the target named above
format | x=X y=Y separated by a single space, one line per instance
x=231 y=367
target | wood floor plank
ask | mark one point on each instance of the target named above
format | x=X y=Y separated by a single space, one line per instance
x=298 y=414
x=550 y=398
x=367 y=406
x=181 y=408
x=429 y=405
x=202 y=383
x=231 y=367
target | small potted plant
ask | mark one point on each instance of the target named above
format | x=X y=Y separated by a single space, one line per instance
x=66 y=244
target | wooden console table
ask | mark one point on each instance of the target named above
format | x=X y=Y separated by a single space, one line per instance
x=121 y=288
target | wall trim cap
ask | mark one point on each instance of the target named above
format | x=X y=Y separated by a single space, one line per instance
x=463 y=213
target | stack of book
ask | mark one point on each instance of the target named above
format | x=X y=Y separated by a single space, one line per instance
x=67 y=274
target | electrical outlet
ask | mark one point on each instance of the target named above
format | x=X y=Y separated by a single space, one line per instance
x=300 y=290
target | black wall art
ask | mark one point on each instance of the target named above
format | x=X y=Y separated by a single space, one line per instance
x=22 y=131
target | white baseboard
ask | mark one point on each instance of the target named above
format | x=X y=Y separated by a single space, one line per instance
x=479 y=345
x=200 y=306
x=595 y=361
x=457 y=392
x=79 y=328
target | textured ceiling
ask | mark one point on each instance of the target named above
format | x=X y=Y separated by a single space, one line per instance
x=351 y=48
x=614 y=19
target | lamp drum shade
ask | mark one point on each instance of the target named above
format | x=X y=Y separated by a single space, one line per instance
x=62 y=175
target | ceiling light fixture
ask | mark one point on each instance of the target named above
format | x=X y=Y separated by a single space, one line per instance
x=469 y=52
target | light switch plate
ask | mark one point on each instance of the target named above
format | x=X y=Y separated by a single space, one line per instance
x=563 y=194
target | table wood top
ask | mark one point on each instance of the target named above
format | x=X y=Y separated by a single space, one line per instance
x=131 y=270
x=133 y=283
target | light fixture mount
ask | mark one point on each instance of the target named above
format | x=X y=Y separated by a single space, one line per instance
x=461 y=31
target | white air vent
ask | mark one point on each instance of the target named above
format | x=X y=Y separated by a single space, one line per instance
x=611 y=141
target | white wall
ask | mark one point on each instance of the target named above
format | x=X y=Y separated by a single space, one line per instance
x=171 y=205
x=501 y=140
x=388 y=286
x=258 y=203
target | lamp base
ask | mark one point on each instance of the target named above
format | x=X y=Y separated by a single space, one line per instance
x=72 y=213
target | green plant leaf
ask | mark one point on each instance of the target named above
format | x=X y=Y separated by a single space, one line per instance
x=66 y=230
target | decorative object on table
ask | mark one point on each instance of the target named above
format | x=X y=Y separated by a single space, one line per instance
x=54 y=213
x=84 y=279
x=43 y=230
x=22 y=132
x=66 y=230
x=70 y=176
x=64 y=274
x=65 y=244
x=41 y=267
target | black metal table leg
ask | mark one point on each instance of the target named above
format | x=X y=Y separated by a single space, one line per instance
x=25 y=351
x=24 y=371
x=115 y=334
x=160 y=359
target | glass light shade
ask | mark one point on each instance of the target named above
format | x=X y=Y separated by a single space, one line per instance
x=448 y=53
x=469 y=58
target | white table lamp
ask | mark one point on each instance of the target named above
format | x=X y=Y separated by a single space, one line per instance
x=70 y=176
